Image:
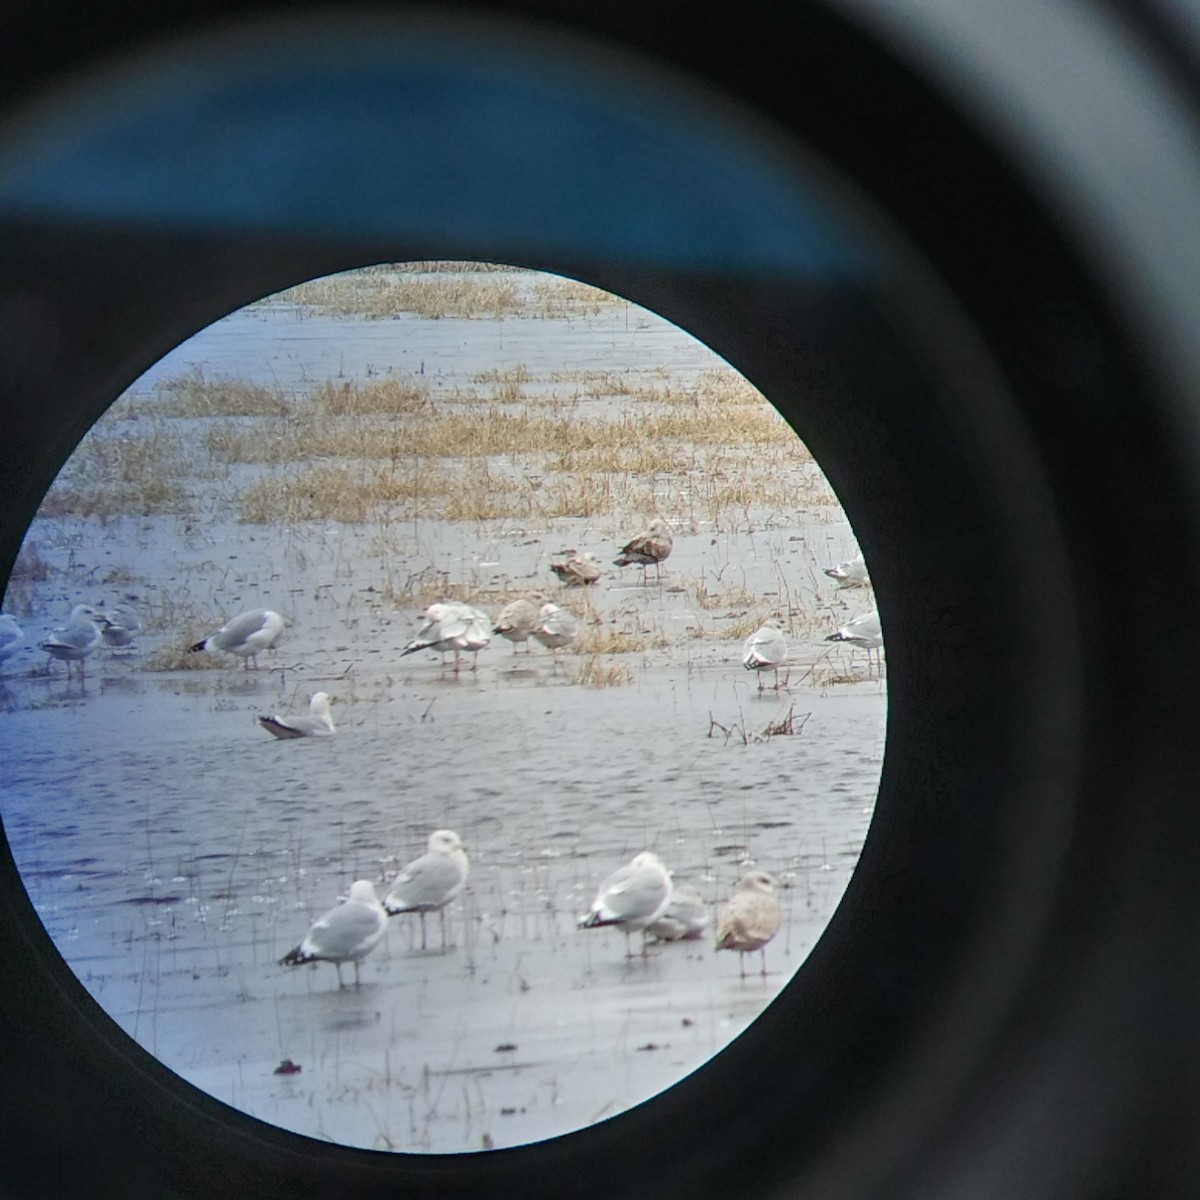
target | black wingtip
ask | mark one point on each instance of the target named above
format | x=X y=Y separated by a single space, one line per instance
x=294 y=958
x=197 y=646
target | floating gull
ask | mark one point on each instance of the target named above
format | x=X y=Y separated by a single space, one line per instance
x=578 y=570
x=347 y=933
x=864 y=631
x=652 y=545
x=684 y=918
x=518 y=619
x=318 y=723
x=765 y=650
x=851 y=573
x=118 y=625
x=75 y=640
x=556 y=627
x=750 y=918
x=633 y=897
x=245 y=635
x=430 y=882
x=12 y=636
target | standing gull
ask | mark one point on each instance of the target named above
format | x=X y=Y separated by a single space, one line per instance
x=864 y=631
x=765 y=650
x=118 y=625
x=347 y=933
x=518 y=618
x=750 y=918
x=430 y=882
x=652 y=545
x=476 y=633
x=318 y=723
x=578 y=570
x=684 y=918
x=76 y=640
x=556 y=627
x=633 y=897
x=245 y=635
x=12 y=636
x=851 y=573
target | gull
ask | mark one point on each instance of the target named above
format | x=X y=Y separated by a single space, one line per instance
x=77 y=639
x=518 y=618
x=864 y=631
x=750 y=918
x=851 y=573
x=118 y=625
x=245 y=635
x=684 y=918
x=347 y=933
x=12 y=636
x=476 y=634
x=430 y=882
x=578 y=570
x=318 y=723
x=556 y=627
x=765 y=650
x=652 y=545
x=633 y=897
x=451 y=625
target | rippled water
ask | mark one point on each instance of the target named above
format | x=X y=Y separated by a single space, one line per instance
x=175 y=851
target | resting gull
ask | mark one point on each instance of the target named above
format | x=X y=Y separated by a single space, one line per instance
x=347 y=933
x=12 y=636
x=863 y=631
x=318 y=723
x=578 y=570
x=750 y=918
x=430 y=882
x=684 y=918
x=633 y=897
x=518 y=618
x=652 y=545
x=118 y=625
x=556 y=628
x=75 y=640
x=851 y=573
x=765 y=650
x=245 y=635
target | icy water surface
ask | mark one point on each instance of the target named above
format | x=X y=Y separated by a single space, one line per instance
x=175 y=851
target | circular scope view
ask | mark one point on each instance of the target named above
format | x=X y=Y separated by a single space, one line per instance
x=441 y=706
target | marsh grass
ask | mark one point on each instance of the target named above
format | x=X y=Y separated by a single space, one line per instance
x=197 y=395
x=593 y=673
x=397 y=395
x=114 y=474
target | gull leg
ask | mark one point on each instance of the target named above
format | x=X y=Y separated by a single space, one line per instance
x=357 y=981
x=422 y=915
x=337 y=966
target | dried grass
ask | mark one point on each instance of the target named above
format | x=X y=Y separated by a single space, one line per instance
x=593 y=673
x=195 y=395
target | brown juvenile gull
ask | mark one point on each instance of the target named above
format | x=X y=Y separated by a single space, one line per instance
x=518 y=618
x=633 y=897
x=347 y=933
x=750 y=918
x=684 y=918
x=578 y=570
x=245 y=635
x=73 y=642
x=864 y=631
x=555 y=628
x=652 y=545
x=318 y=723
x=851 y=573
x=430 y=882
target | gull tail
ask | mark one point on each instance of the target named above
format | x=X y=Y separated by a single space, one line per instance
x=293 y=958
x=200 y=645
x=594 y=921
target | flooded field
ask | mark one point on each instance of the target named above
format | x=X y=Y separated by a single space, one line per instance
x=347 y=455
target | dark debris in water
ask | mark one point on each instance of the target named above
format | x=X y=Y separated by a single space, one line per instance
x=506 y=1048
x=141 y=900
x=287 y=1067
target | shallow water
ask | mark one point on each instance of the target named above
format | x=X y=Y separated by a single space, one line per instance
x=175 y=851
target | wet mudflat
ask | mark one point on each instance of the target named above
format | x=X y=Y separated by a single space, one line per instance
x=175 y=851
